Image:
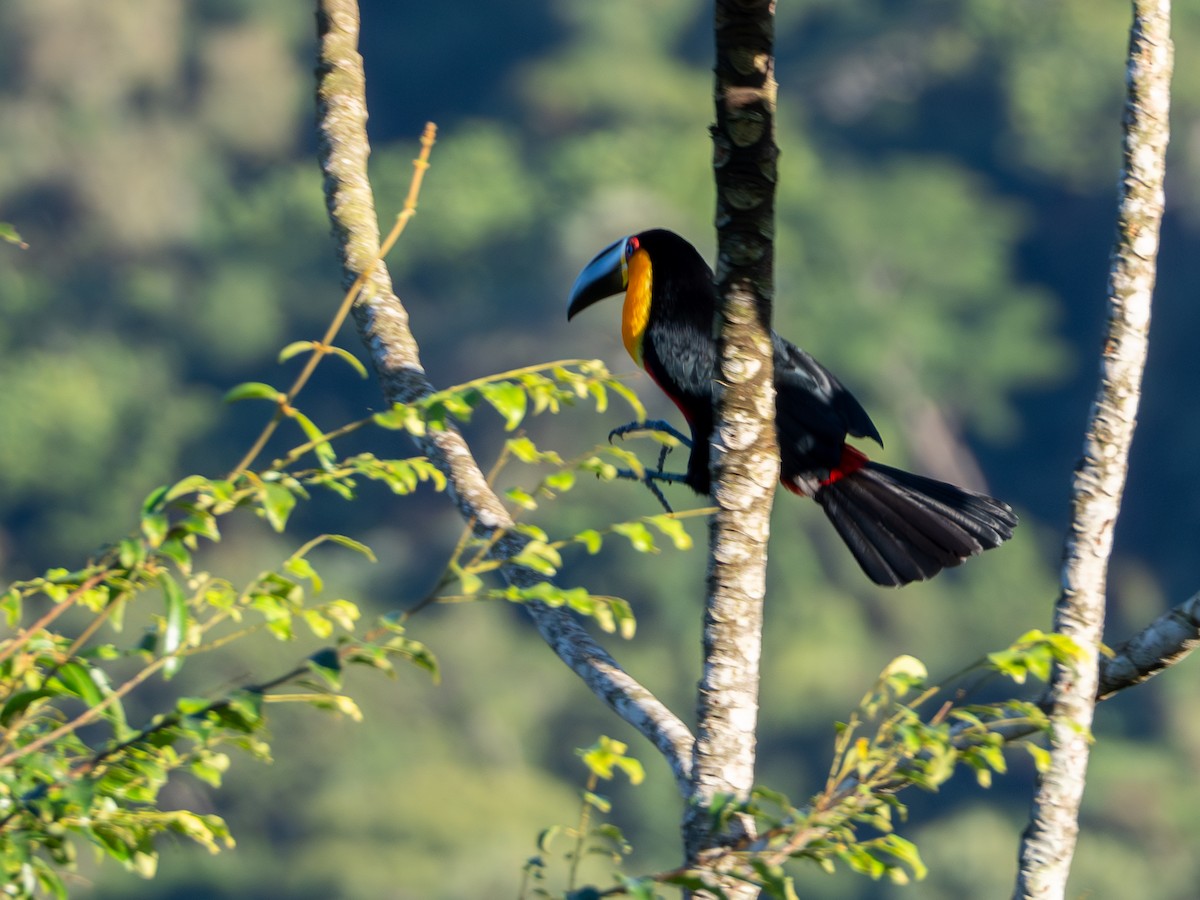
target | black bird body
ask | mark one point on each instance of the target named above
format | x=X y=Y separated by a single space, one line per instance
x=900 y=527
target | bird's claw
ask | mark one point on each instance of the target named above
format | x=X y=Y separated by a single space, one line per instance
x=658 y=426
x=649 y=477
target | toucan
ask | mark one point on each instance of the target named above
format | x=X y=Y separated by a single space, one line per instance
x=900 y=527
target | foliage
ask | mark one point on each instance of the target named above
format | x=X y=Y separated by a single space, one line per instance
x=602 y=760
x=158 y=163
x=902 y=735
x=69 y=773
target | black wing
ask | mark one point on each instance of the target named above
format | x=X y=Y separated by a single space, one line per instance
x=814 y=411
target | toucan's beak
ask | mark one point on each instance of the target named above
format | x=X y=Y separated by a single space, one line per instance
x=604 y=276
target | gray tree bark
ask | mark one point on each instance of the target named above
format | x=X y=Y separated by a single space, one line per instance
x=745 y=458
x=1048 y=843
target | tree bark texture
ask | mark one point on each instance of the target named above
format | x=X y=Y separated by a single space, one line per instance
x=382 y=324
x=1049 y=840
x=1163 y=643
x=745 y=456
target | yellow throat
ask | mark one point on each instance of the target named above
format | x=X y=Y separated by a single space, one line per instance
x=636 y=311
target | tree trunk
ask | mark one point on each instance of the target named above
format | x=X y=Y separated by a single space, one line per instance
x=1049 y=840
x=745 y=456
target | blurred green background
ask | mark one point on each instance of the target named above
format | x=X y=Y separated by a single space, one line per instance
x=945 y=216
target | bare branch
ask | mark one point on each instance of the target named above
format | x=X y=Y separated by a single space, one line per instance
x=1049 y=840
x=383 y=327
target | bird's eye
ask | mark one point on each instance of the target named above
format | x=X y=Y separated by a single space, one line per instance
x=630 y=246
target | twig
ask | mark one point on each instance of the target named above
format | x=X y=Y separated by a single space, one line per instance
x=53 y=613
x=321 y=349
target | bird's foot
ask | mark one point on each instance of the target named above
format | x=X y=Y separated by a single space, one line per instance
x=651 y=477
x=652 y=426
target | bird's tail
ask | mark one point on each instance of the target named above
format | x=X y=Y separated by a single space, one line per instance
x=903 y=527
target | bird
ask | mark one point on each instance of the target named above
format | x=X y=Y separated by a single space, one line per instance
x=899 y=526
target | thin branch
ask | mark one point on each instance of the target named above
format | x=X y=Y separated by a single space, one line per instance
x=12 y=646
x=383 y=327
x=1048 y=843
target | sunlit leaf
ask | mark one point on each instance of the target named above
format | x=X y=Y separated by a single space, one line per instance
x=294 y=348
x=507 y=399
x=591 y=539
x=9 y=234
x=354 y=362
x=638 y=534
x=176 y=624
x=253 y=390
x=277 y=504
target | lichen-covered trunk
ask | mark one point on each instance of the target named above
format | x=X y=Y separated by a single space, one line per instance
x=1049 y=840
x=745 y=456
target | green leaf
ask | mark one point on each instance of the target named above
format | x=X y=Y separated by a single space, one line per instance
x=540 y=557
x=9 y=233
x=154 y=500
x=10 y=605
x=321 y=447
x=210 y=768
x=775 y=882
x=302 y=568
x=356 y=546
x=189 y=485
x=327 y=664
x=902 y=674
x=254 y=390
x=342 y=612
x=131 y=553
x=242 y=711
x=561 y=481
x=632 y=769
x=17 y=704
x=155 y=527
x=904 y=851
x=606 y=754
x=639 y=536
x=76 y=678
x=507 y=399
x=524 y=450
x=521 y=498
x=295 y=348
x=597 y=801
x=533 y=531
x=672 y=528
x=176 y=624
x=1041 y=756
x=277 y=504
x=591 y=540
x=401 y=416
x=470 y=583
x=355 y=363
x=318 y=624
x=173 y=549
x=639 y=411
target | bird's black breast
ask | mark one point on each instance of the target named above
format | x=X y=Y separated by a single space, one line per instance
x=682 y=362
